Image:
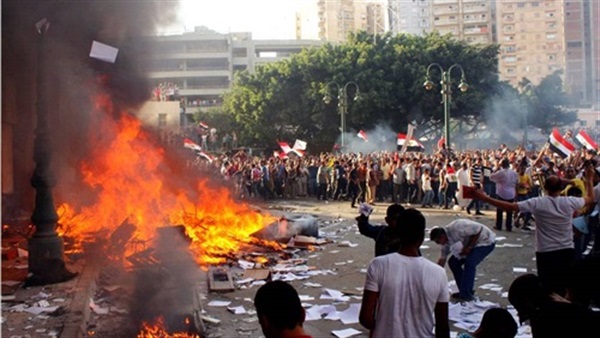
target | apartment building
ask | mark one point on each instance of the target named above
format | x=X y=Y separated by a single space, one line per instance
x=531 y=38
x=582 y=42
x=202 y=63
x=469 y=20
x=410 y=17
x=338 y=18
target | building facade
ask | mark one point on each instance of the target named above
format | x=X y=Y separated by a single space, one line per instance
x=582 y=34
x=202 y=64
x=531 y=34
x=340 y=17
x=469 y=20
x=409 y=17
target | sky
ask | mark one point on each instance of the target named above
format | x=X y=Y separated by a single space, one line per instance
x=266 y=19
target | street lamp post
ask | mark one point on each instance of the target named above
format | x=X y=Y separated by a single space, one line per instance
x=446 y=82
x=342 y=98
x=525 y=112
x=46 y=249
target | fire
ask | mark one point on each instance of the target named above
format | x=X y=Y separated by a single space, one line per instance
x=158 y=331
x=128 y=172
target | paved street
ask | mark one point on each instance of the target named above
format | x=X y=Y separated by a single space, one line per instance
x=496 y=269
x=344 y=268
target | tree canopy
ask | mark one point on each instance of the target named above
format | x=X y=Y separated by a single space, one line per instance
x=284 y=100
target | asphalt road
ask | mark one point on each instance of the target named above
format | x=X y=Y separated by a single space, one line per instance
x=514 y=249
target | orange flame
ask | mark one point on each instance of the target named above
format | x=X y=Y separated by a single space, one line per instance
x=158 y=331
x=128 y=173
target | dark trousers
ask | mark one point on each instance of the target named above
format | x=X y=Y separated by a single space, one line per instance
x=500 y=213
x=398 y=193
x=554 y=269
x=352 y=193
x=322 y=194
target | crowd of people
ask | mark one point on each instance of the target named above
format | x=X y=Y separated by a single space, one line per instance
x=556 y=198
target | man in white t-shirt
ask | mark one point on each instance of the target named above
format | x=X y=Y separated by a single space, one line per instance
x=554 y=247
x=465 y=244
x=405 y=294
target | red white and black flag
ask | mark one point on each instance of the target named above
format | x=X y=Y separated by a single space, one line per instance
x=362 y=135
x=559 y=145
x=187 y=143
x=409 y=145
x=441 y=142
x=584 y=140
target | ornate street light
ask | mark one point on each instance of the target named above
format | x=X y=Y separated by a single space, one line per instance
x=342 y=97
x=46 y=248
x=446 y=82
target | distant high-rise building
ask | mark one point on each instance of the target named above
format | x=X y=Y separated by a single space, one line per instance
x=307 y=21
x=410 y=17
x=337 y=18
x=531 y=38
x=582 y=50
x=469 y=20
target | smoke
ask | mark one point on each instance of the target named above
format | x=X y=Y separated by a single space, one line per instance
x=380 y=138
x=74 y=79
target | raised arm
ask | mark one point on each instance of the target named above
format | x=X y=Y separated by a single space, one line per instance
x=508 y=206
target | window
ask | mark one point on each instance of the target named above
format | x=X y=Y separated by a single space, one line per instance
x=583 y=123
x=551 y=36
x=510 y=70
x=549 y=14
x=162 y=120
x=537 y=4
x=521 y=4
x=551 y=57
x=597 y=123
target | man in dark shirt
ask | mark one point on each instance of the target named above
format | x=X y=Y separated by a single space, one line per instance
x=384 y=235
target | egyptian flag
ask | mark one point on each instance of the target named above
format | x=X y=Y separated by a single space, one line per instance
x=411 y=145
x=559 y=145
x=285 y=147
x=441 y=142
x=584 y=140
x=280 y=155
x=187 y=143
x=362 y=135
x=206 y=156
x=203 y=125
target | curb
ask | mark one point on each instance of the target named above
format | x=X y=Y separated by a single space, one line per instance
x=79 y=310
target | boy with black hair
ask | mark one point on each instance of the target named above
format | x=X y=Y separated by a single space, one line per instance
x=405 y=294
x=279 y=311
x=384 y=236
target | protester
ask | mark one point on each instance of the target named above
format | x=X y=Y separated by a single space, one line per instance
x=466 y=243
x=279 y=310
x=384 y=235
x=554 y=231
x=496 y=323
x=406 y=295
x=549 y=314
x=506 y=181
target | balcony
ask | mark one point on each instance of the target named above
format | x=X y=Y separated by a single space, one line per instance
x=475 y=9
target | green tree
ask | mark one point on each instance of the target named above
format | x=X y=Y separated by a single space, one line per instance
x=284 y=100
x=547 y=103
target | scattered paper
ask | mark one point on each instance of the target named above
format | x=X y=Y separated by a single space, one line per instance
x=312 y=285
x=350 y=315
x=10 y=282
x=98 y=309
x=519 y=270
x=306 y=298
x=345 y=333
x=334 y=295
x=103 y=52
x=244 y=281
x=220 y=303
x=237 y=310
x=347 y=244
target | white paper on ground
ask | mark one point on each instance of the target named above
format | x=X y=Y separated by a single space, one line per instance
x=103 y=52
x=306 y=298
x=335 y=295
x=312 y=285
x=220 y=303
x=520 y=270
x=244 y=281
x=237 y=310
x=345 y=333
x=97 y=309
x=350 y=315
